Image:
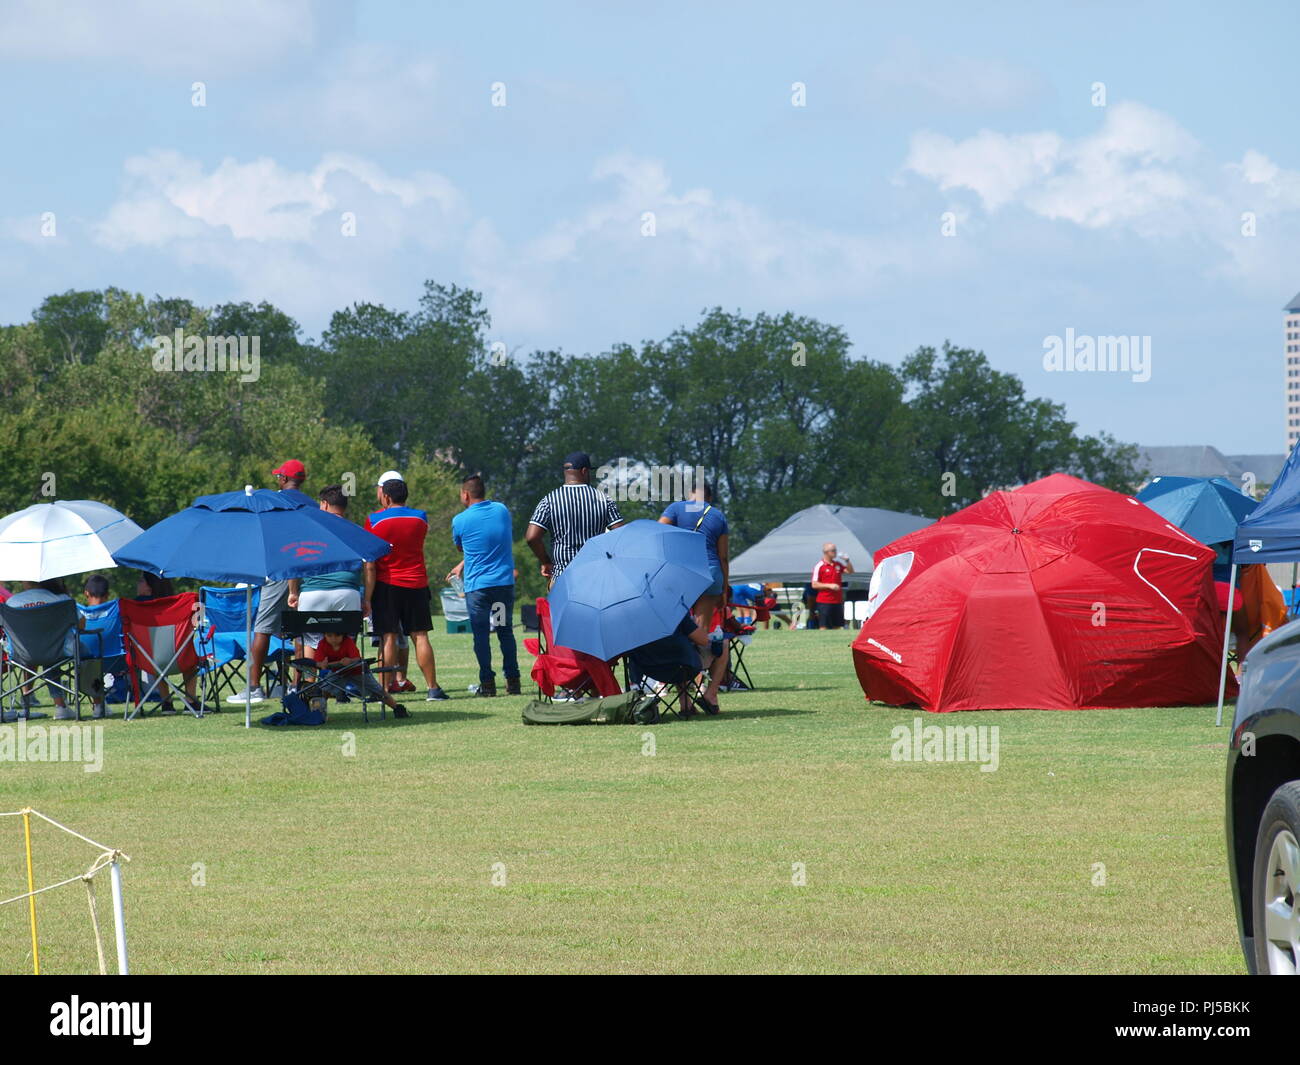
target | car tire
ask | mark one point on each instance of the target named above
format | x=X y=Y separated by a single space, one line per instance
x=1275 y=884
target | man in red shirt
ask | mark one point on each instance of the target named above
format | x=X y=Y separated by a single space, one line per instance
x=397 y=585
x=828 y=583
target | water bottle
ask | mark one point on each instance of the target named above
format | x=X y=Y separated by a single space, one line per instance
x=458 y=585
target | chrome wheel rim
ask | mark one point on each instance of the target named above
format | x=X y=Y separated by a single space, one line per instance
x=1281 y=919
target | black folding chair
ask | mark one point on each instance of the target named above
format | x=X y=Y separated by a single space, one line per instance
x=38 y=636
x=737 y=671
x=344 y=683
x=667 y=683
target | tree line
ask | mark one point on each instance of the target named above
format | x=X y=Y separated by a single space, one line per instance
x=773 y=407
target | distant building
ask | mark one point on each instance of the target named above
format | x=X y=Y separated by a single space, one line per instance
x=1201 y=460
x=1291 y=332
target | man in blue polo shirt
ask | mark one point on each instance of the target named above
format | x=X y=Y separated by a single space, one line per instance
x=482 y=531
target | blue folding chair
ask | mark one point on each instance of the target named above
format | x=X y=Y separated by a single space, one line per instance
x=221 y=640
x=102 y=639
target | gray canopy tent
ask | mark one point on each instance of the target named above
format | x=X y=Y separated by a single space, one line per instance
x=789 y=552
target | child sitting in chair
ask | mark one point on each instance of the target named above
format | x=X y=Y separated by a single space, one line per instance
x=338 y=653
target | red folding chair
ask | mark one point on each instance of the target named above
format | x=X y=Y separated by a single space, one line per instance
x=574 y=673
x=159 y=639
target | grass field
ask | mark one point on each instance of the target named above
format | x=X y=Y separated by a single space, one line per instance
x=618 y=861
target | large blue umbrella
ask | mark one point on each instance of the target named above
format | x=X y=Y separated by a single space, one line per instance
x=1208 y=508
x=253 y=536
x=628 y=587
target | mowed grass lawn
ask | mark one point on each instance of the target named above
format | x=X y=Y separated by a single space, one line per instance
x=614 y=860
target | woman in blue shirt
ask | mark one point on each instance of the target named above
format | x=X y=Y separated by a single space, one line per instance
x=700 y=515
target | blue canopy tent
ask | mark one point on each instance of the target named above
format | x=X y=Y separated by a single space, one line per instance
x=1271 y=533
x=1208 y=508
x=252 y=536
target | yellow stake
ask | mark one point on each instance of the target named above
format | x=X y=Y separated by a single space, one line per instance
x=31 y=886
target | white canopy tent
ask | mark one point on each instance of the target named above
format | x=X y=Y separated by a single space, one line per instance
x=788 y=553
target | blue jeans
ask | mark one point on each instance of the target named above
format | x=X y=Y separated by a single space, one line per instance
x=480 y=604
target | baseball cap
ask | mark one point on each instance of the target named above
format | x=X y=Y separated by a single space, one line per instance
x=391 y=475
x=578 y=460
x=292 y=468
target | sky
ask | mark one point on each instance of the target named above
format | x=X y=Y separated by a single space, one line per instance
x=991 y=175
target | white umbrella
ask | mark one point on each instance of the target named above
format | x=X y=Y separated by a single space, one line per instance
x=55 y=539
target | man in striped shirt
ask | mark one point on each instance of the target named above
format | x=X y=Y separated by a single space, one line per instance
x=572 y=514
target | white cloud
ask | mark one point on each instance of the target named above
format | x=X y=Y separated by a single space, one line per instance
x=186 y=35
x=995 y=166
x=716 y=245
x=1141 y=173
x=1140 y=169
x=170 y=197
x=277 y=232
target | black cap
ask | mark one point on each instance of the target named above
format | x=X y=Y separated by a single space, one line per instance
x=577 y=460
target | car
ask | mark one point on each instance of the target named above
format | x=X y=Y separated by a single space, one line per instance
x=1262 y=814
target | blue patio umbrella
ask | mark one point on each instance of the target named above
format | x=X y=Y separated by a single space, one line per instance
x=628 y=587
x=253 y=536
x=1208 y=508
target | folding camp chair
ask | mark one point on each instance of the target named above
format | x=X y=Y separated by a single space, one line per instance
x=573 y=674
x=38 y=639
x=159 y=639
x=220 y=639
x=356 y=680
x=668 y=683
x=738 y=637
x=101 y=639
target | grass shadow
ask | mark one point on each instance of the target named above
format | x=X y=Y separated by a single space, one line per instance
x=786 y=688
x=727 y=712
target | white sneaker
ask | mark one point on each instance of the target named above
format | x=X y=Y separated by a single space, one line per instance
x=246 y=696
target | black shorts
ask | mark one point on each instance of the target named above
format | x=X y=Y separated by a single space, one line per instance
x=397 y=609
x=830 y=615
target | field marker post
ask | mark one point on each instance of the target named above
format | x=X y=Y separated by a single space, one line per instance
x=119 y=914
x=31 y=888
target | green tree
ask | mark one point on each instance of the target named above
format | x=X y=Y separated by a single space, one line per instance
x=73 y=324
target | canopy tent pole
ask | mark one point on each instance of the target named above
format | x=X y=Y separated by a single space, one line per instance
x=1227 y=631
x=1295 y=568
x=248 y=653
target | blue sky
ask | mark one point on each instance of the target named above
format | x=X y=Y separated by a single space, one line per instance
x=1117 y=219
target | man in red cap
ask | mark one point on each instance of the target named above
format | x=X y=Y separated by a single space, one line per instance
x=289 y=477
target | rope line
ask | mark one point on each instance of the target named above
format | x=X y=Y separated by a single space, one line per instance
x=107 y=856
x=94 y=924
x=102 y=862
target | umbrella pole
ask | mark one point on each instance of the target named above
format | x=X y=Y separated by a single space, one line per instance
x=248 y=654
x=1227 y=631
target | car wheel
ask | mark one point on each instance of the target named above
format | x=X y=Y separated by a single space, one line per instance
x=1276 y=884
